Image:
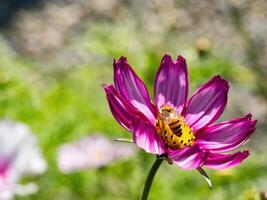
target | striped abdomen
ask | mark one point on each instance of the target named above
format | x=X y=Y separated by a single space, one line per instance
x=168 y=135
x=175 y=133
x=175 y=127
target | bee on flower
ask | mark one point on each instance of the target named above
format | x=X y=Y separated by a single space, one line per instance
x=182 y=130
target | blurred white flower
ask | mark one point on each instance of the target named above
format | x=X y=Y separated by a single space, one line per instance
x=93 y=151
x=19 y=156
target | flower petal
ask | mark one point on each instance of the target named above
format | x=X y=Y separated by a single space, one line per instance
x=132 y=88
x=122 y=110
x=146 y=137
x=222 y=161
x=188 y=158
x=171 y=83
x=207 y=103
x=226 y=136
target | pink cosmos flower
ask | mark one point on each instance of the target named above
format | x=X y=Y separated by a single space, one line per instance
x=194 y=141
x=93 y=151
x=20 y=156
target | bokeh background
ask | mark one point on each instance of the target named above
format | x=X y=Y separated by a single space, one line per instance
x=55 y=54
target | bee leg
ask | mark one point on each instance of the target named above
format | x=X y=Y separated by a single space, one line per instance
x=169 y=161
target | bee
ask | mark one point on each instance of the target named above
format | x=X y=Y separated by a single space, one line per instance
x=172 y=128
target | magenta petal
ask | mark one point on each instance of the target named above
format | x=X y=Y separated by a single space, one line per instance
x=171 y=83
x=145 y=137
x=222 y=161
x=207 y=103
x=132 y=88
x=188 y=158
x=122 y=110
x=226 y=136
x=5 y=163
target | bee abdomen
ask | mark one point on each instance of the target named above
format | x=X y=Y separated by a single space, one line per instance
x=175 y=127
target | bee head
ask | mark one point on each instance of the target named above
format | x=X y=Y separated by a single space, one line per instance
x=167 y=111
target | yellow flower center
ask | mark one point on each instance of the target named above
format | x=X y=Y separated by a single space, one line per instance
x=173 y=129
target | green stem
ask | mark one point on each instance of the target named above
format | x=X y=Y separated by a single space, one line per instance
x=150 y=178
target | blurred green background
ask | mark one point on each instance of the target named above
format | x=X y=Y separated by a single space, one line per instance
x=55 y=54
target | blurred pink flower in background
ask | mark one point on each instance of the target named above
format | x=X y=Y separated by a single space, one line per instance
x=174 y=126
x=93 y=151
x=19 y=156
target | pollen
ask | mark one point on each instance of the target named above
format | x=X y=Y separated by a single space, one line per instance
x=173 y=129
